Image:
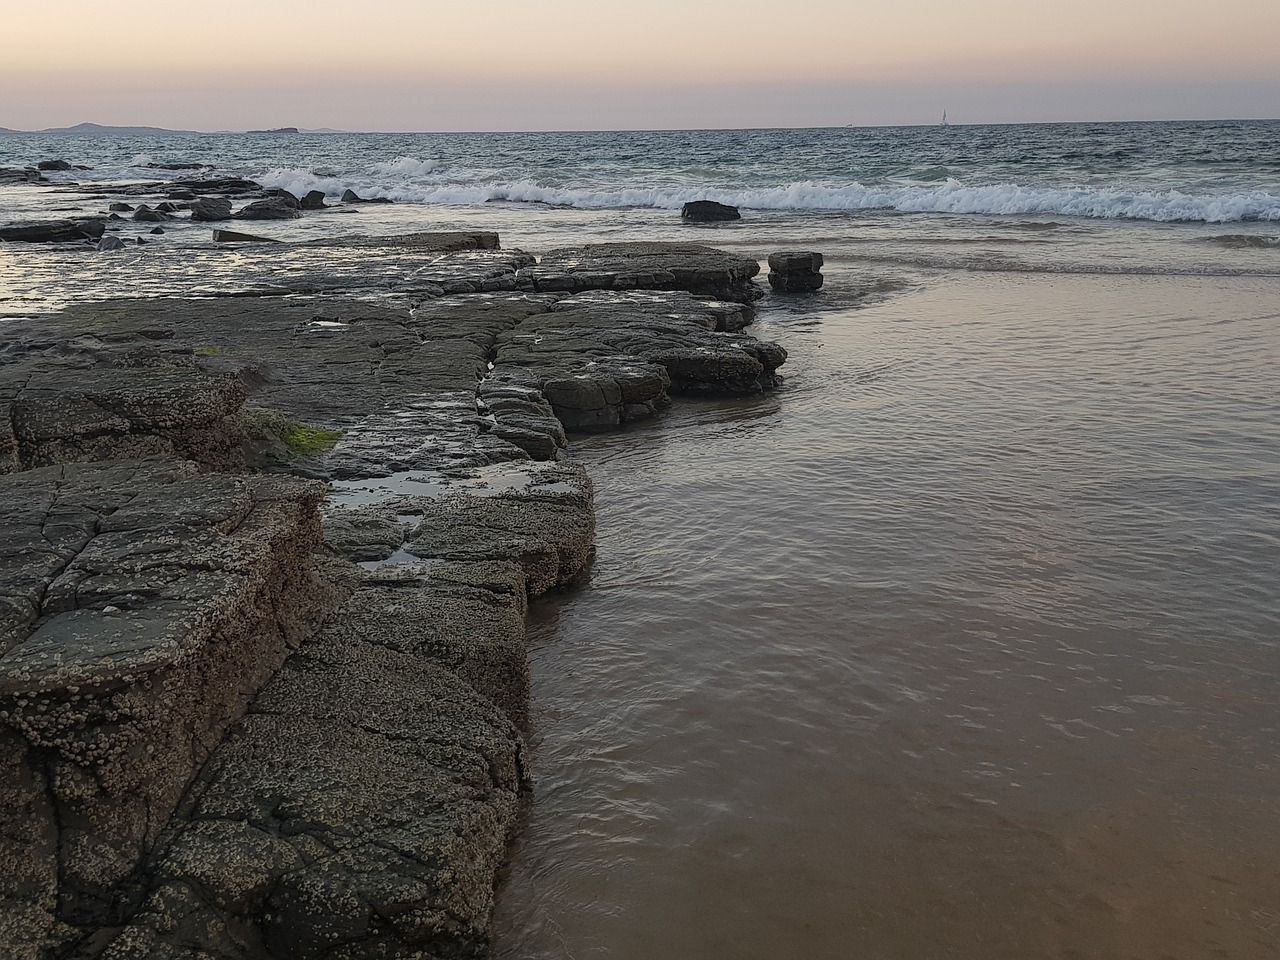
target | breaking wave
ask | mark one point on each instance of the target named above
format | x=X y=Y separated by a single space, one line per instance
x=426 y=181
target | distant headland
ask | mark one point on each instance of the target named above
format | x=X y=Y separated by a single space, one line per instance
x=101 y=130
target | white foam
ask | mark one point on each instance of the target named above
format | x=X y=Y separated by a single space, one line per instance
x=407 y=167
x=951 y=196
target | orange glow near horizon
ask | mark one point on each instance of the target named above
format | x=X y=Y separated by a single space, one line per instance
x=137 y=50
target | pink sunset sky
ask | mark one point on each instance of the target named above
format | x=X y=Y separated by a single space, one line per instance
x=591 y=64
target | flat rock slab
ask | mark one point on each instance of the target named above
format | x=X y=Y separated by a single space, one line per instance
x=141 y=605
x=604 y=358
x=645 y=266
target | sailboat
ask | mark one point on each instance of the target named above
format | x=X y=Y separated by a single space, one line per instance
x=944 y=120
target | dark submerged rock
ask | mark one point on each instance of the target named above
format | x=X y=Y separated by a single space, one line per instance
x=232 y=186
x=53 y=165
x=207 y=209
x=146 y=214
x=9 y=176
x=708 y=211
x=350 y=196
x=231 y=236
x=54 y=231
x=272 y=208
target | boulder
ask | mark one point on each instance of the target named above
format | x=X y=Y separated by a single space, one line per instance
x=53 y=165
x=168 y=206
x=280 y=193
x=54 y=231
x=210 y=208
x=145 y=214
x=272 y=208
x=314 y=200
x=350 y=196
x=795 y=271
x=708 y=211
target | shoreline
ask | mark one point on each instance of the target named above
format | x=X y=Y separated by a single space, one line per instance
x=234 y=739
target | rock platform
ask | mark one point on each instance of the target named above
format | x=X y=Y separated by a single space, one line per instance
x=263 y=580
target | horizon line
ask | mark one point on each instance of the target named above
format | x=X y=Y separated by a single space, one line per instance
x=290 y=130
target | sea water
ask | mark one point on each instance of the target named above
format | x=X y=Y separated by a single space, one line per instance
x=961 y=644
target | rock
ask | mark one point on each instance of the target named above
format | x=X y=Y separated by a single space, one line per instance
x=54 y=231
x=363 y=803
x=144 y=214
x=645 y=266
x=707 y=211
x=604 y=358
x=180 y=166
x=210 y=209
x=235 y=186
x=53 y=165
x=111 y=243
x=231 y=236
x=144 y=603
x=282 y=194
x=350 y=196
x=795 y=271
x=119 y=207
x=272 y=208
x=168 y=206
x=314 y=200
x=156 y=230
x=29 y=175
x=115 y=401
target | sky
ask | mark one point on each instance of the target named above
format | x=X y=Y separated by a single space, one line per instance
x=427 y=65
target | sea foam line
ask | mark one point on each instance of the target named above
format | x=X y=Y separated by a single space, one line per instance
x=410 y=181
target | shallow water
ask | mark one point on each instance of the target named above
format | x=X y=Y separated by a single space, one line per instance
x=962 y=645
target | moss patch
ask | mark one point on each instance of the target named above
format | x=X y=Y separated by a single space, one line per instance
x=209 y=351
x=273 y=440
x=304 y=441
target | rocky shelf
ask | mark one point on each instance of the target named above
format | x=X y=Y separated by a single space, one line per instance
x=263 y=579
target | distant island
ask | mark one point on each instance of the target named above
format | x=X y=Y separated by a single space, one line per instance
x=100 y=130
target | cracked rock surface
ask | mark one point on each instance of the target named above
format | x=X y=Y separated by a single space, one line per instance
x=254 y=716
x=141 y=605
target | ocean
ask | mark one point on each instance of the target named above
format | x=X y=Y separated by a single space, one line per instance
x=961 y=644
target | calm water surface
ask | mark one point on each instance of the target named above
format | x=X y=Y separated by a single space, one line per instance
x=963 y=645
